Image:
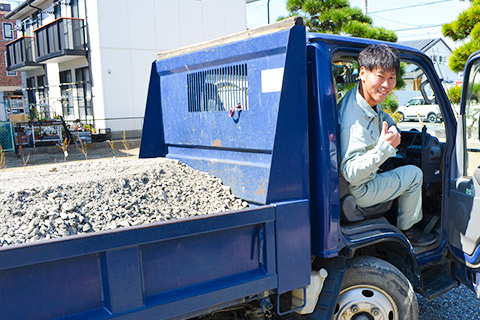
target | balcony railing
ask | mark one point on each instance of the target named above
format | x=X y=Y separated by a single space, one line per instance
x=20 y=54
x=60 y=40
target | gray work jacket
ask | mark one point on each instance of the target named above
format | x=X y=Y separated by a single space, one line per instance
x=363 y=149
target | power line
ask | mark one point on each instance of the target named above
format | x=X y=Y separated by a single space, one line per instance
x=411 y=6
x=395 y=21
x=420 y=27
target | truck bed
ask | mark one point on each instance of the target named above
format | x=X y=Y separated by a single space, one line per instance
x=164 y=270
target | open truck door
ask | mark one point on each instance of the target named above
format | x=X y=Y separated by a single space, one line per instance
x=464 y=198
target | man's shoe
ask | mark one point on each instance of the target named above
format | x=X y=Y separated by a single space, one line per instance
x=419 y=239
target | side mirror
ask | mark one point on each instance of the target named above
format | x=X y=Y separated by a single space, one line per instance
x=425 y=88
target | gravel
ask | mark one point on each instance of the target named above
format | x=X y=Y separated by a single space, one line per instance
x=458 y=303
x=58 y=200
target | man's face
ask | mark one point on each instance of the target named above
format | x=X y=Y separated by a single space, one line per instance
x=376 y=84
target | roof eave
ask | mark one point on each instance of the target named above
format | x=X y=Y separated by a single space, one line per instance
x=25 y=9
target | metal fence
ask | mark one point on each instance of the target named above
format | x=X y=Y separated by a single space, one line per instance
x=130 y=127
x=6 y=136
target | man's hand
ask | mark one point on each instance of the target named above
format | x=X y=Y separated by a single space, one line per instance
x=391 y=135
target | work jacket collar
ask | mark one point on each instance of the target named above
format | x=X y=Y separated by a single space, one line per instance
x=371 y=112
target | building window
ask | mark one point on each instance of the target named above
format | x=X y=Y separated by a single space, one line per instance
x=66 y=92
x=84 y=92
x=7 y=30
x=31 y=100
x=42 y=92
x=74 y=7
x=9 y=73
x=57 y=10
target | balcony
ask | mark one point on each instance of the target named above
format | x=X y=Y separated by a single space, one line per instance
x=60 y=40
x=20 y=54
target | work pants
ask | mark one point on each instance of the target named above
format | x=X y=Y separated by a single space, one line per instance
x=404 y=183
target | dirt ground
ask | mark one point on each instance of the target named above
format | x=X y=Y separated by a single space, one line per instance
x=30 y=157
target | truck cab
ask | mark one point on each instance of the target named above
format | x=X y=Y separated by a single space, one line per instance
x=447 y=154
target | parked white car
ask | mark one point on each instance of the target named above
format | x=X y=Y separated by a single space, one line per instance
x=416 y=108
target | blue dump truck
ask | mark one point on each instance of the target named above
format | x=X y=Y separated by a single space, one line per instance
x=259 y=110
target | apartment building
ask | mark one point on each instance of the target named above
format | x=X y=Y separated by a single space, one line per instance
x=10 y=81
x=90 y=59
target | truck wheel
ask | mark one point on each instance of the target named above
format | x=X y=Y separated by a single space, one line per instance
x=432 y=117
x=373 y=289
x=401 y=117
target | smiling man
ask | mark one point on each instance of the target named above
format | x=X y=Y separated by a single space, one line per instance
x=369 y=136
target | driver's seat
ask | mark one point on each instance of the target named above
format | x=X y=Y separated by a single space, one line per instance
x=351 y=212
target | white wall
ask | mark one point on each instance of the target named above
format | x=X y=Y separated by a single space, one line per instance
x=442 y=67
x=126 y=35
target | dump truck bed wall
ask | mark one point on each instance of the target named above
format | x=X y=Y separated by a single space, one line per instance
x=261 y=152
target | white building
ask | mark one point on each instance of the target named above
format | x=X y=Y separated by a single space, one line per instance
x=90 y=59
x=440 y=54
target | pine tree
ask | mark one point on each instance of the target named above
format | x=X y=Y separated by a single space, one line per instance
x=467 y=26
x=336 y=16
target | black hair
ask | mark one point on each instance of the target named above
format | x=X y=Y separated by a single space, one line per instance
x=380 y=55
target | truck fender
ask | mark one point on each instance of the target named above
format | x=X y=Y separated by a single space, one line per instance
x=383 y=241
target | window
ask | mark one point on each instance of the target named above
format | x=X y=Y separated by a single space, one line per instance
x=74 y=6
x=412 y=104
x=42 y=92
x=84 y=92
x=9 y=73
x=471 y=121
x=66 y=92
x=57 y=10
x=31 y=98
x=7 y=30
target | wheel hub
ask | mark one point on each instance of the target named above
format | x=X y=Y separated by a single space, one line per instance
x=365 y=303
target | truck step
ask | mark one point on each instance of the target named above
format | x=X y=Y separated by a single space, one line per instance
x=437 y=280
x=438 y=287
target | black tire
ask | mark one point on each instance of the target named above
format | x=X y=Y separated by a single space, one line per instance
x=432 y=117
x=401 y=117
x=375 y=289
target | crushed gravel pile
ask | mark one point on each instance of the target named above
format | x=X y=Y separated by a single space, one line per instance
x=72 y=198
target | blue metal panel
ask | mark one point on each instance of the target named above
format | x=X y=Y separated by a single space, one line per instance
x=293 y=245
x=123 y=290
x=325 y=202
x=206 y=260
x=261 y=152
x=50 y=290
x=184 y=263
x=289 y=176
x=153 y=141
x=214 y=299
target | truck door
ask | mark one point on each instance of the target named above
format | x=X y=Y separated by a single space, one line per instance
x=464 y=199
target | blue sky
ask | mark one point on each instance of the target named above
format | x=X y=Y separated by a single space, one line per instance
x=410 y=19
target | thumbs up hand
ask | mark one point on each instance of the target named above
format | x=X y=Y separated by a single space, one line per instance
x=391 y=135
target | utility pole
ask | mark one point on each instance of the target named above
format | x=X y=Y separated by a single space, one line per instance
x=268 y=11
x=365 y=7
